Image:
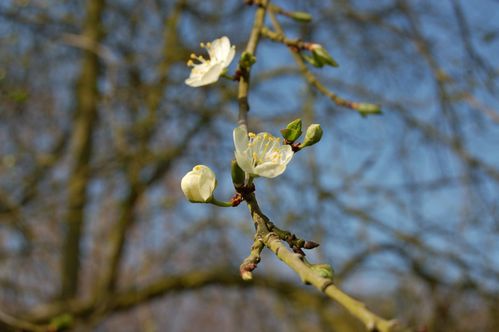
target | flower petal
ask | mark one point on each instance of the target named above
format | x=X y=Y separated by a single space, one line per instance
x=245 y=161
x=207 y=182
x=286 y=154
x=189 y=187
x=229 y=57
x=241 y=140
x=204 y=75
x=262 y=155
x=212 y=75
x=219 y=49
x=270 y=170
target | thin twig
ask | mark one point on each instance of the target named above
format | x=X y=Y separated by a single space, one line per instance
x=250 y=263
x=363 y=109
x=265 y=230
x=254 y=38
x=17 y=323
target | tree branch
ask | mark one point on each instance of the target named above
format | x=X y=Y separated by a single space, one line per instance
x=364 y=109
x=308 y=275
x=81 y=151
x=250 y=50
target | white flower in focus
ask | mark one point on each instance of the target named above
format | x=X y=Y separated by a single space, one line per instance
x=262 y=154
x=208 y=71
x=198 y=185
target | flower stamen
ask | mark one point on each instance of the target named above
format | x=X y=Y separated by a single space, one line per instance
x=261 y=154
x=207 y=71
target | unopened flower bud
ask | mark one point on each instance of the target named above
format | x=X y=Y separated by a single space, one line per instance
x=313 y=135
x=199 y=184
x=366 y=109
x=301 y=17
x=312 y=60
x=322 y=56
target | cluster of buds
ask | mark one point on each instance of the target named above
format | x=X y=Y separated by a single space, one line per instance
x=297 y=245
x=293 y=131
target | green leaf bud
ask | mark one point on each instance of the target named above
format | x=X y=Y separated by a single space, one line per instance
x=295 y=124
x=247 y=60
x=292 y=131
x=313 y=61
x=322 y=56
x=290 y=135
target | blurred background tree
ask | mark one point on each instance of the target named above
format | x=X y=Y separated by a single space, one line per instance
x=98 y=127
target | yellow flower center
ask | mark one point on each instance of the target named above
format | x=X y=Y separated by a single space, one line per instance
x=199 y=58
x=265 y=148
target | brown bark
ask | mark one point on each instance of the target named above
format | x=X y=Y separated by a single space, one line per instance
x=87 y=97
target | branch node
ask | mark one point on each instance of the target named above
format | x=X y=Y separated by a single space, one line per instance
x=325 y=285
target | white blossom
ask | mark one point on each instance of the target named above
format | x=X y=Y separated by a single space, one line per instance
x=207 y=71
x=261 y=154
x=198 y=185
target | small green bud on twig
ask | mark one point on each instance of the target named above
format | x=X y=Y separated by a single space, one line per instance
x=322 y=56
x=312 y=60
x=290 y=135
x=312 y=136
x=366 y=109
x=301 y=17
x=247 y=60
x=295 y=124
